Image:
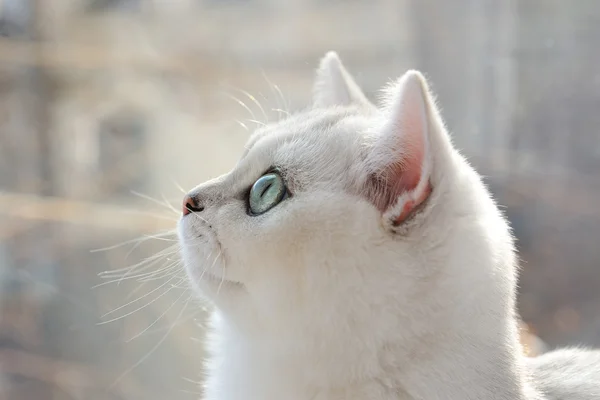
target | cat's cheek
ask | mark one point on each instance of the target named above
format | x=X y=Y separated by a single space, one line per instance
x=192 y=265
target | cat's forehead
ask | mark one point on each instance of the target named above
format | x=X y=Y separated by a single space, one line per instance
x=305 y=123
x=307 y=141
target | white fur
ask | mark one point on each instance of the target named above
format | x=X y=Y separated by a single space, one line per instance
x=321 y=299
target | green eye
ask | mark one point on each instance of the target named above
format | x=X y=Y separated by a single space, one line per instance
x=266 y=193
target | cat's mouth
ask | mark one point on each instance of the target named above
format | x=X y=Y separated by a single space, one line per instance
x=219 y=280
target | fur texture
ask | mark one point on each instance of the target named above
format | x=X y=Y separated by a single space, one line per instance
x=388 y=273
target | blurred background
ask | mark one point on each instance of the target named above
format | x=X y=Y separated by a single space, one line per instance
x=109 y=107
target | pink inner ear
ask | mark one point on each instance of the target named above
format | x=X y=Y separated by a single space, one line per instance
x=401 y=178
x=398 y=178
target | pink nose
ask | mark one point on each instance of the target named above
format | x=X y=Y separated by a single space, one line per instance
x=190 y=205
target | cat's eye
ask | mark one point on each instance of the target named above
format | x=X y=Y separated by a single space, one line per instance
x=268 y=191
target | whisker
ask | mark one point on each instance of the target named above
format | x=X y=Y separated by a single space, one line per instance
x=118 y=279
x=151 y=350
x=178 y=321
x=181 y=189
x=169 y=204
x=170 y=264
x=116 y=276
x=199 y=217
x=171 y=232
x=134 y=291
x=274 y=93
x=173 y=269
x=255 y=102
x=170 y=250
x=186 y=287
x=242 y=125
x=137 y=309
x=139 y=298
x=131 y=250
x=222 y=274
x=116 y=246
x=221 y=283
x=189 y=380
x=257 y=122
x=212 y=265
x=241 y=103
x=159 y=317
x=161 y=239
x=198 y=340
x=193 y=382
x=155 y=201
x=141 y=266
x=278 y=91
x=279 y=110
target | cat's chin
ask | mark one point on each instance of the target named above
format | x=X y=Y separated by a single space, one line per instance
x=217 y=290
x=207 y=281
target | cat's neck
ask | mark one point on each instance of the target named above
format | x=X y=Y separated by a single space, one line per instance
x=455 y=364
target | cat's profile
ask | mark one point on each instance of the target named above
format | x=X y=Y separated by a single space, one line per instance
x=353 y=253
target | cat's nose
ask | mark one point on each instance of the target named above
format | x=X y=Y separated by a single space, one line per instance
x=191 y=204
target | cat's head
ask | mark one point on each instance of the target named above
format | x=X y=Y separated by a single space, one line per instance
x=346 y=212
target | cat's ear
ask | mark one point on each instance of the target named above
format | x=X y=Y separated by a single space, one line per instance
x=400 y=162
x=334 y=86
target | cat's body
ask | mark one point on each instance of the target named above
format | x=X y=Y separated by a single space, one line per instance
x=369 y=263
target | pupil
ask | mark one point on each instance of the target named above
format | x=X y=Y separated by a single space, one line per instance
x=265 y=189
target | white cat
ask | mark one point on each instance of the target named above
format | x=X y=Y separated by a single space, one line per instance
x=353 y=253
